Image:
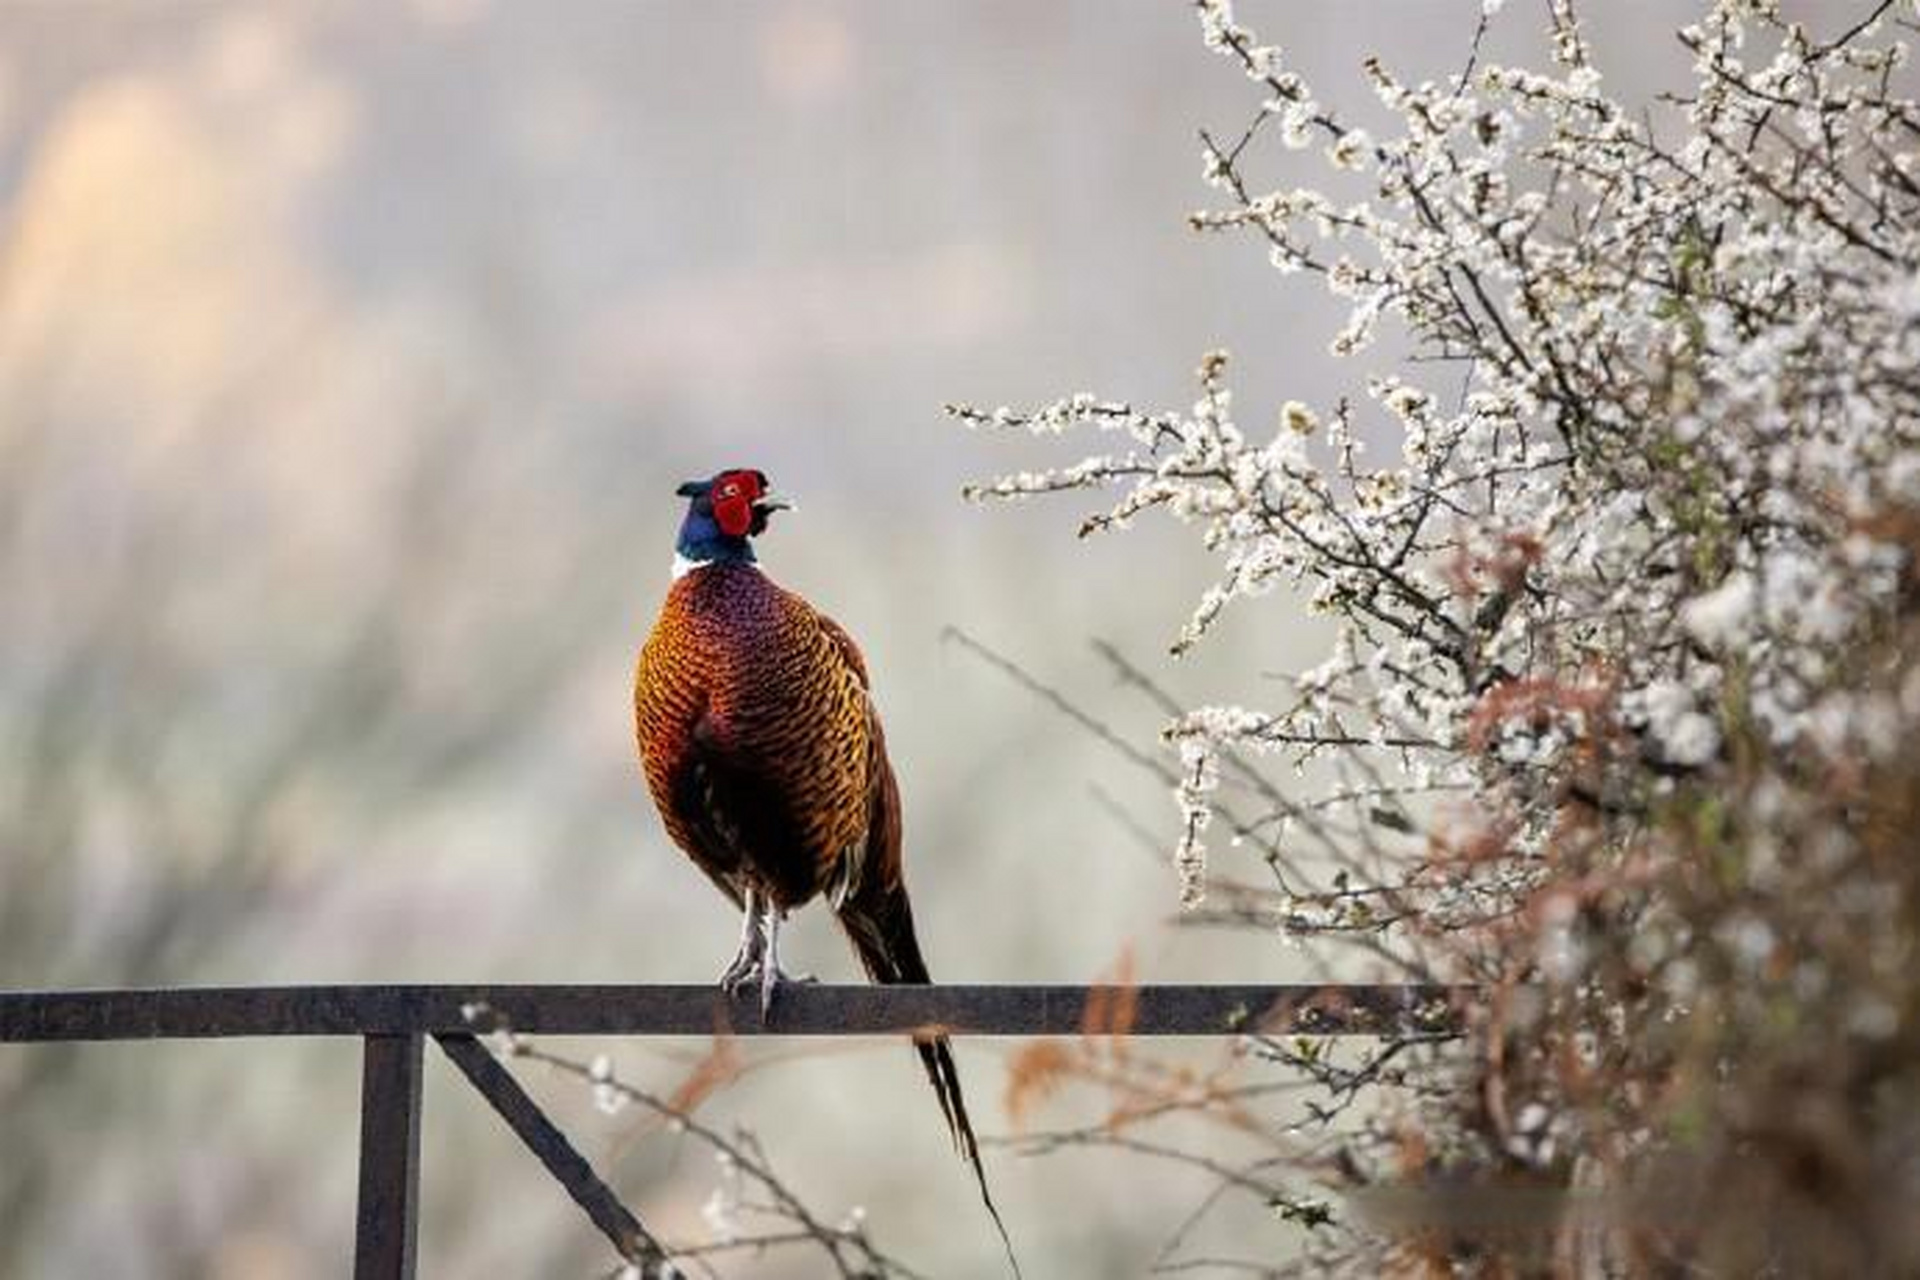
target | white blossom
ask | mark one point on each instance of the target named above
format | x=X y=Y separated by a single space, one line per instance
x=1723 y=616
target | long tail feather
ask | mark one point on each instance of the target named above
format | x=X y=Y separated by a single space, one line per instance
x=881 y=927
x=937 y=1055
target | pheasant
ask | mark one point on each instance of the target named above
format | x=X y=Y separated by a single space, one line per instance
x=766 y=759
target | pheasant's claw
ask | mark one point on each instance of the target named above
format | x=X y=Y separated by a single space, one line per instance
x=772 y=979
x=743 y=970
x=743 y=973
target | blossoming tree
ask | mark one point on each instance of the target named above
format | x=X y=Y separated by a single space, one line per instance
x=1618 y=717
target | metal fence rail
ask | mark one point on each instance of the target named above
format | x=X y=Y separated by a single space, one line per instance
x=191 y=1012
x=394 y=1023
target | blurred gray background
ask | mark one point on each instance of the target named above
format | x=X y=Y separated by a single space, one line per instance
x=348 y=358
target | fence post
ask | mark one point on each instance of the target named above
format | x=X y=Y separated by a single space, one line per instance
x=389 y=1158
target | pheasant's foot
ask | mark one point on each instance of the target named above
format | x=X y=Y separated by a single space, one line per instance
x=772 y=977
x=744 y=969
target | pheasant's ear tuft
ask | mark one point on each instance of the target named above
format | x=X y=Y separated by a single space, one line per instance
x=693 y=488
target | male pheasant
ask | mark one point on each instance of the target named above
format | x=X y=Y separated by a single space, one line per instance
x=765 y=757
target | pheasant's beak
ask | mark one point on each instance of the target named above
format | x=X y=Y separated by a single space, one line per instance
x=772 y=502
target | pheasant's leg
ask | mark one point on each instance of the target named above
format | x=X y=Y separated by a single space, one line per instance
x=772 y=976
x=745 y=966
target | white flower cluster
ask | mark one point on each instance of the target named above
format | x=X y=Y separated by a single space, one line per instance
x=1690 y=344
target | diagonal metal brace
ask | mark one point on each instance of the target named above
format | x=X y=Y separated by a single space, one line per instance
x=615 y=1221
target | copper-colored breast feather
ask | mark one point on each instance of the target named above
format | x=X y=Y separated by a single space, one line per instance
x=756 y=734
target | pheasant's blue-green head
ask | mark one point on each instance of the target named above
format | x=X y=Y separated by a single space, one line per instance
x=723 y=515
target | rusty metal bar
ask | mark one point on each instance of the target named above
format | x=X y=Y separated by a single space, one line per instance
x=393 y=1020
x=690 y=1010
x=569 y=1168
x=389 y=1221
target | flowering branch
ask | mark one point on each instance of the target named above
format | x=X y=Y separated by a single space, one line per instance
x=1620 y=608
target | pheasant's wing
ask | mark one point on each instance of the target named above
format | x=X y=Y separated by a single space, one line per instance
x=873 y=864
x=843 y=643
x=870 y=893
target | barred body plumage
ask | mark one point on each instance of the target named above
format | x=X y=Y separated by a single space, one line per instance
x=759 y=741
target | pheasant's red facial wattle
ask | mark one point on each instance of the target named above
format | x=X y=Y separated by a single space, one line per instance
x=733 y=496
